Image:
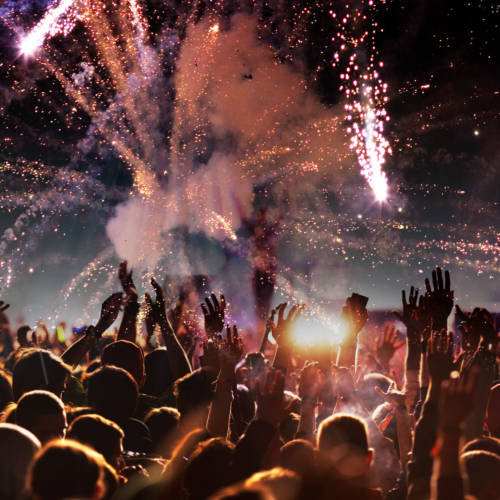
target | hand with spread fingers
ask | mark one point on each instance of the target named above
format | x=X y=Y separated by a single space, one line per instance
x=387 y=345
x=230 y=352
x=281 y=329
x=213 y=312
x=439 y=298
x=415 y=315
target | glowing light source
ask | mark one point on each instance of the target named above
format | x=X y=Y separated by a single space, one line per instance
x=313 y=334
x=52 y=23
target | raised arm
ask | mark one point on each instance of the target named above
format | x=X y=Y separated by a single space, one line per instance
x=110 y=309
x=128 y=326
x=177 y=358
x=230 y=352
x=457 y=401
x=355 y=316
x=281 y=331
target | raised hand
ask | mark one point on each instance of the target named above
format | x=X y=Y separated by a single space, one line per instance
x=414 y=315
x=230 y=352
x=440 y=356
x=311 y=380
x=109 y=312
x=457 y=400
x=158 y=306
x=213 y=313
x=478 y=324
x=127 y=282
x=387 y=345
x=439 y=298
x=175 y=315
x=355 y=315
x=282 y=327
x=149 y=317
x=395 y=398
x=22 y=336
x=272 y=406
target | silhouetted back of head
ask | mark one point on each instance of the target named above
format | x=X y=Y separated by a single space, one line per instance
x=207 y=468
x=193 y=391
x=17 y=448
x=126 y=355
x=158 y=374
x=240 y=492
x=343 y=443
x=493 y=411
x=6 y=394
x=43 y=414
x=297 y=456
x=112 y=392
x=66 y=469
x=483 y=470
x=39 y=369
x=162 y=424
x=283 y=484
x=101 y=434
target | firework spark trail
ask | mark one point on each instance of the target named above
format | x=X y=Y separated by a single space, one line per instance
x=58 y=19
x=366 y=97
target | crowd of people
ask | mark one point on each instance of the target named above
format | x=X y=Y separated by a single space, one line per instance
x=163 y=408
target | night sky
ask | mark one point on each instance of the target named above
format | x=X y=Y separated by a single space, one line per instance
x=63 y=178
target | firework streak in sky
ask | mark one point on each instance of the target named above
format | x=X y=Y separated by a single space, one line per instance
x=364 y=90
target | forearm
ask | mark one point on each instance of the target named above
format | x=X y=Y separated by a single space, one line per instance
x=251 y=448
x=282 y=359
x=449 y=482
x=347 y=355
x=74 y=354
x=421 y=463
x=486 y=366
x=403 y=427
x=177 y=358
x=307 y=419
x=220 y=408
x=128 y=325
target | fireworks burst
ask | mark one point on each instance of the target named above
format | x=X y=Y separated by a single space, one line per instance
x=366 y=96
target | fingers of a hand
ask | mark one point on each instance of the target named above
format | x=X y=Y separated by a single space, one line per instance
x=428 y=285
x=403 y=298
x=447 y=282
x=235 y=332
x=440 y=278
x=229 y=334
x=291 y=313
x=434 y=281
x=210 y=306
x=281 y=311
x=216 y=302
x=222 y=303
